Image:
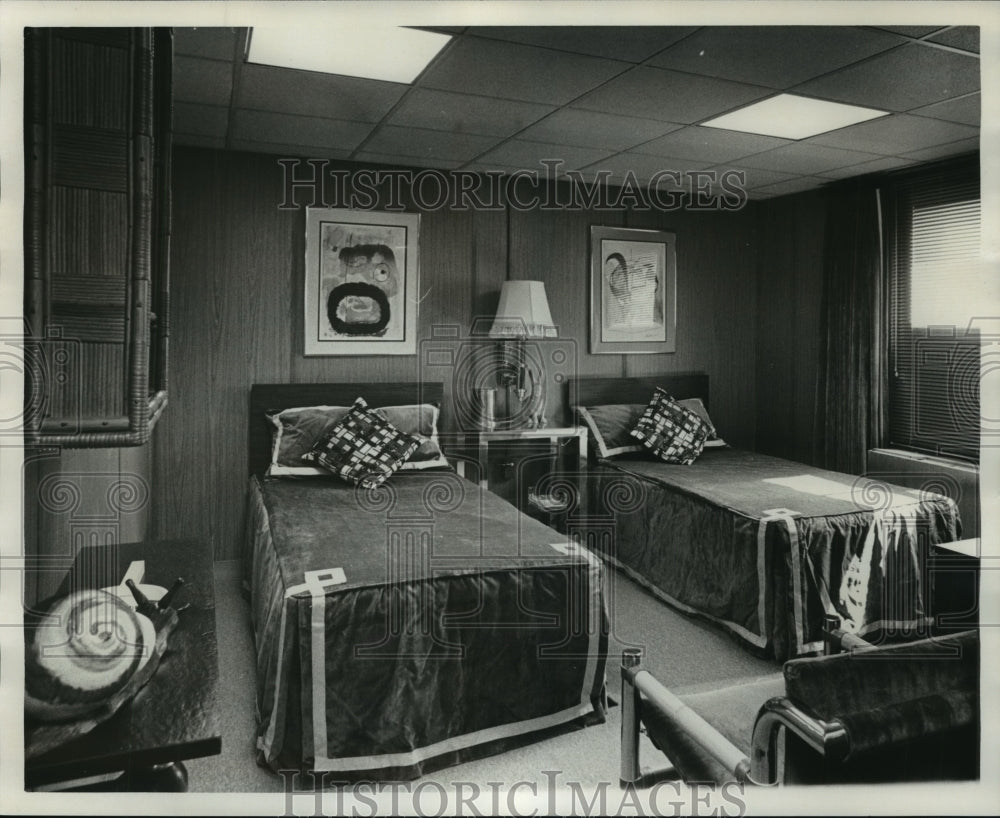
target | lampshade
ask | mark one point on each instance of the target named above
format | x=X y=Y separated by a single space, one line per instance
x=523 y=311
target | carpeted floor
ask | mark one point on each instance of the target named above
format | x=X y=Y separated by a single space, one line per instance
x=683 y=653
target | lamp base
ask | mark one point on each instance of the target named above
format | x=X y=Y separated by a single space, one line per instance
x=526 y=412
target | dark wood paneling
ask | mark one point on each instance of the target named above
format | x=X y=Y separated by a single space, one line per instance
x=554 y=246
x=237 y=318
x=233 y=256
x=601 y=391
x=489 y=263
x=79 y=497
x=790 y=270
x=716 y=305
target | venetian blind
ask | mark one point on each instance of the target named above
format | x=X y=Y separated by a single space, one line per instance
x=936 y=297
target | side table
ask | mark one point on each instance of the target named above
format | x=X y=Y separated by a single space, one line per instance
x=575 y=462
x=174 y=716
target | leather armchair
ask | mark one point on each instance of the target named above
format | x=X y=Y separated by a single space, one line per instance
x=862 y=713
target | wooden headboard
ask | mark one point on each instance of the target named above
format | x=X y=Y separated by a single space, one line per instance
x=269 y=397
x=597 y=391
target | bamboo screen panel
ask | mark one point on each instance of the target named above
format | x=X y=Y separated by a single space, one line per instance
x=92 y=174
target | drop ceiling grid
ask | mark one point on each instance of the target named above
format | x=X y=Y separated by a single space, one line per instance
x=579 y=119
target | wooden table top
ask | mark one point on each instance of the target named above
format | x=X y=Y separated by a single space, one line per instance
x=174 y=716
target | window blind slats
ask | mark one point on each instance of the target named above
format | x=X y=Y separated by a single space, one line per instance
x=935 y=277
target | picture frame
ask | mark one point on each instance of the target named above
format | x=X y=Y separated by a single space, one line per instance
x=633 y=290
x=361 y=282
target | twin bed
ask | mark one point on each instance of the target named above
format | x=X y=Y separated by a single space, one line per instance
x=414 y=625
x=764 y=547
x=427 y=622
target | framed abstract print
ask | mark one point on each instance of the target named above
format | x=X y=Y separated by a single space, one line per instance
x=361 y=282
x=633 y=290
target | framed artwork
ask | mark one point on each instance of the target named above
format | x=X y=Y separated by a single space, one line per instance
x=361 y=282
x=633 y=290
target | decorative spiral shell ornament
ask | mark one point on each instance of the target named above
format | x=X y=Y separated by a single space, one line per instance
x=84 y=650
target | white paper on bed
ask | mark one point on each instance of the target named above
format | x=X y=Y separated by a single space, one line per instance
x=864 y=493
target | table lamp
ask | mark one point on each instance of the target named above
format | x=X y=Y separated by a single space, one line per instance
x=523 y=312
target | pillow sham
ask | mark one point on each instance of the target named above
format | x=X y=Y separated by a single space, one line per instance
x=696 y=406
x=363 y=448
x=672 y=432
x=296 y=431
x=610 y=426
x=421 y=421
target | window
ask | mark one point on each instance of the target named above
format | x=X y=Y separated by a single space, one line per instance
x=936 y=311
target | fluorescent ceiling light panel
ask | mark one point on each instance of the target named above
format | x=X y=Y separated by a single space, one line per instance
x=793 y=117
x=386 y=53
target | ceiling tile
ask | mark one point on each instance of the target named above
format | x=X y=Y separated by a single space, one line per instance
x=484 y=167
x=500 y=83
x=203 y=120
x=395 y=160
x=709 y=144
x=512 y=71
x=896 y=135
x=209 y=82
x=212 y=43
x=628 y=43
x=964 y=37
x=796 y=185
x=464 y=113
x=427 y=144
x=912 y=31
x=966 y=110
x=288 y=129
x=806 y=158
x=656 y=93
x=644 y=166
x=309 y=93
x=575 y=126
x=753 y=177
x=904 y=78
x=774 y=56
x=522 y=153
x=876 y=165
x=942 y=151
x=297 y=150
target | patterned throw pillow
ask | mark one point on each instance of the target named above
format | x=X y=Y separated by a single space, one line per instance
x=363 y=447
x=296 y=431
x=672 y=432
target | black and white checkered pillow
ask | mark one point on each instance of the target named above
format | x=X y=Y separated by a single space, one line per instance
x=363 y=447
x=672 y=432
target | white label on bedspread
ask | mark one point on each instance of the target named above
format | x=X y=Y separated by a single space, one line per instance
x=864 y=493
x=574 y=549
x=567 y=548
x=778 y=513
x=316 y=582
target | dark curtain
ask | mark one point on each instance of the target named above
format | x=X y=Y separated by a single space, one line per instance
x=851 y=392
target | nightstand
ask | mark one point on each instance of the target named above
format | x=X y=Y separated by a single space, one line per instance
x=515 y=464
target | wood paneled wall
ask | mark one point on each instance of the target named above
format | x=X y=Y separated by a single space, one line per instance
x=789 y=302
x=236 y=292
x=79 y=497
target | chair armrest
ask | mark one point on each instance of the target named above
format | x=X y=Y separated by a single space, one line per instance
x=901 y=722
x=836 y=640
x=829 y=738
x=852 y=735
x=663 y=712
